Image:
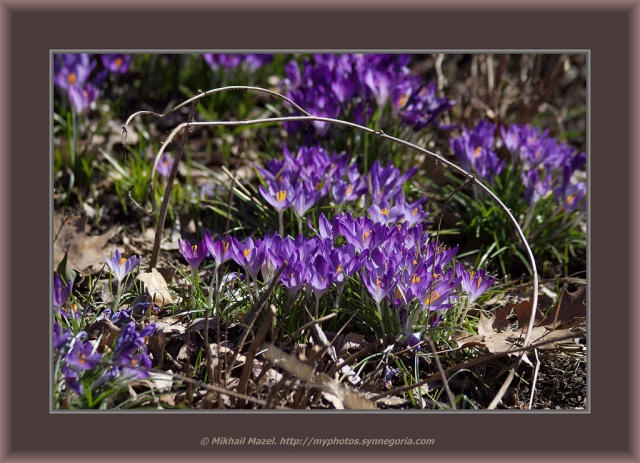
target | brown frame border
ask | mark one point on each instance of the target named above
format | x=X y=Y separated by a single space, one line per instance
x=31 y=29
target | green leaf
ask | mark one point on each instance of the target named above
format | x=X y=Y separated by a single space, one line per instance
x=65 y=271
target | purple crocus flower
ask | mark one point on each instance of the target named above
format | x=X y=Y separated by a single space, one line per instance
x=131 y=341
x=306 y=196
x=474 y=283
x=82 y=356
x=279 y=194
x=474 y=150
x=321 y=276
x=219 y=249
x=72 y=70
x=294 y=276
x=138 y=366
x=228 y=61
x=249 y=255
x=165 y=165
x=255 y=61
x=83 y=96
x=378 y=276
x=194 y=255
x=120 y=266
x=567 y=194
x=116 y=63
x=535 y=189
x=60 y=293
x=573 y=196
x=71 y=378
x=61 y=337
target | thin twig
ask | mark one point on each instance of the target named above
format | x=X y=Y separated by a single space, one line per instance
x=251 y=352
x=169 y=186
x=452 y=399
x=250 y=319
x=535 y=379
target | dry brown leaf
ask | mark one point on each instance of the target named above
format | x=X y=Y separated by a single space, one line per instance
x=505 y=341
x=570 y=306
x=494 y=341
x=523 y=312
x=104 y=328
x=157 y=287
x=84 y=251
x=500 y=321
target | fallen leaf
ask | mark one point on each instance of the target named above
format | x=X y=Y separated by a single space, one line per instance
x=157 y=287
x=105 y=330
x=500 y=321
x=83 y=251
x=570 y=306
x=523 y=313
x=500 y=342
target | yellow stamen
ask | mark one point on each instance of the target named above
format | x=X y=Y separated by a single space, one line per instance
x=318 y=186
x=415 y=279
x=246 y=253
x=385 y=211
x=71 y=78
x=432 y=297
x=226 y=246
x=194 y=247
x=281 y=196
x=403 y=100
x=479 y=281
x=118 y=62
x=349 y=189
x=477 y=151
x=339 y=269
x=122 y=261
x=570 y=199
x=415 y=211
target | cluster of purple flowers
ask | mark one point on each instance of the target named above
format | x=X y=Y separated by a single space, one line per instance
x=232 y=61
x=130 y=354
x=396 y=263
x=71 y=73
x=546 y=165
x=78 y=355
x=475 y=151
x=301 y=181
x=354 y=85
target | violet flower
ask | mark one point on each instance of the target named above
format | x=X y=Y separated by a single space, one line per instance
x=116 y=63
x=82 y=356
x=60 y=293
x=165 y=165
x=474 y=283
x=71 y=378
x=194 y=255
x=121 y=266
x=219 y=249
